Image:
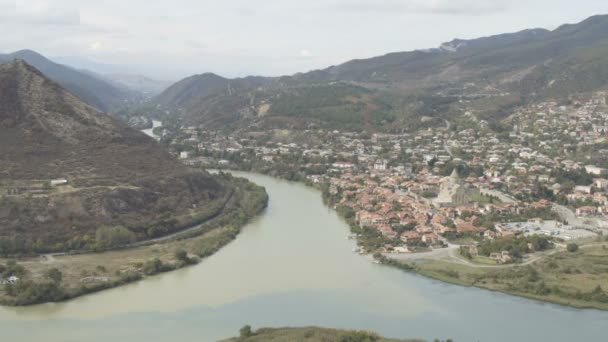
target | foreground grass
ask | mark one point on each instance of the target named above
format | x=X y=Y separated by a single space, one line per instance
x=310 y=334
x=577 y=279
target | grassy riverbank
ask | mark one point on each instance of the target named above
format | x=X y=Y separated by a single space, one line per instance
x=309 y=334
x=59 y=278
x=578 y=279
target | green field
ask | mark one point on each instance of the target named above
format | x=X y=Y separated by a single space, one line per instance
x=577 y=279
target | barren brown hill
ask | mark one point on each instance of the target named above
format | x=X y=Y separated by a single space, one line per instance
x=116 y=176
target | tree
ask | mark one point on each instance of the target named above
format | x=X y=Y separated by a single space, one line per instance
x=152 y=266
x=181 y=255
x=572 y=247
x=245 y=331
x=108 y=237
x=55 y=275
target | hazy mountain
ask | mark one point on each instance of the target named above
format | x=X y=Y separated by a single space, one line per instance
x=92 y=90
x=80 y=63
x=141 y=84
x=392 y=91
x=117 y=176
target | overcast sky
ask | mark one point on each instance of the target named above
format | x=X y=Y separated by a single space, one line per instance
x=172 y=39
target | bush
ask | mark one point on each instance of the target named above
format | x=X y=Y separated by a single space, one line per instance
x=181 y=255
x=572 y=247
x=109 y=237
x=55 y=275
x=245 y=331
x=28 y=292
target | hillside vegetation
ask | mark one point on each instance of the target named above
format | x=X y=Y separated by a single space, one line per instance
x=115 y=181
x=491 y=75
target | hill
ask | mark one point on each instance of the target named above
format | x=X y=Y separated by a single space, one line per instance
x=116 y=177
x=92 y=90
x=137 y=83
x=312 y=334
x=488 y=75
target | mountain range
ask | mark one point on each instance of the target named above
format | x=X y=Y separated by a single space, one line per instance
x=90 y=89
x=110 y=174
x=398 y=90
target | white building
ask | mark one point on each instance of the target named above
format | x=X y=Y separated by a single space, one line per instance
x=594 y=170
x=58 y=182
x=381 y=165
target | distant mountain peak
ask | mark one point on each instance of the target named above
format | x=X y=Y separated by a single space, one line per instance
x=92 y=90
x=20 y=65
x=37 y=104
x=210 y=75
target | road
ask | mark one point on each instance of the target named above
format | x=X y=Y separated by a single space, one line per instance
x=451 y=254
x=500 y=195
x=185 y=231
x=445 y=145
x=52 y=257
x=569 y=216
x=438 y=253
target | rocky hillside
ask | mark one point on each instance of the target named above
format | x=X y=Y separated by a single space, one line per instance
x=115 y=176
x=86 y=86
x=490 y=75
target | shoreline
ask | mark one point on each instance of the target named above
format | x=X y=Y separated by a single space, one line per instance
x=200 y=241
x=565 y=302
x=525 y=296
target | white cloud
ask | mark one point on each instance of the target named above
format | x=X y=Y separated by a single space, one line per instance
x=171 y=39
x=305 y=53
x=453 y=7
x=95 y=46
x=6 y=5
x=38 y=13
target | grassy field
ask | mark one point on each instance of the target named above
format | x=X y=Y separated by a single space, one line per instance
x=120 y=266
x=310 y=334
x=90 y=272
x=577 y=279
x=114 y=264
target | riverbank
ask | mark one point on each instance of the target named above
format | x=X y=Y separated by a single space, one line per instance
x=292 y=267
x=577 y=280
x=309 y=334
x=52 y=278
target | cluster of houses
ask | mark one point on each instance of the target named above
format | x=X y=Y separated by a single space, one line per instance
x=392 y=204
x=393 y=180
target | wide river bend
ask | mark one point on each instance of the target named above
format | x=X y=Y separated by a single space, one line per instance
x=293 y=266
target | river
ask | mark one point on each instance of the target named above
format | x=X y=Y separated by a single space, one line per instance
x=150 y=131
x=293 y=266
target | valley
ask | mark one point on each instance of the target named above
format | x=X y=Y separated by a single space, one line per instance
x=459 y=190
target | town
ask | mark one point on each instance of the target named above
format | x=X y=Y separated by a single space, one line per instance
x=464 y=182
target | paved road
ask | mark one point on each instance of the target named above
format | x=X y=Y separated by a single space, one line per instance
x=445 y=145
x=51 y=257
x=501 y=195
x=185 y=231
x=569 y=216
x=452 y=255
x=438 y=253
